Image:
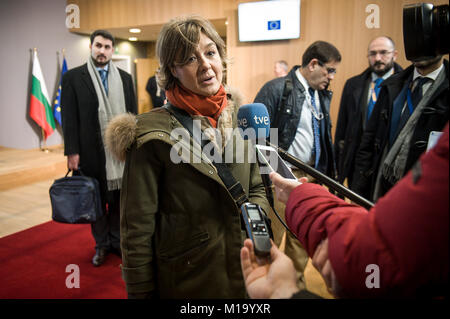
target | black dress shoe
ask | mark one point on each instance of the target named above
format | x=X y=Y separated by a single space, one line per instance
x=99 y=257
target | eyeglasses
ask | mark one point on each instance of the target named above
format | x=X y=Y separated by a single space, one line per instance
x=383 y=53
x=329 y=70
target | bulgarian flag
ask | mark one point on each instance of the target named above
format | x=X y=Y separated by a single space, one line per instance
x=40 y=108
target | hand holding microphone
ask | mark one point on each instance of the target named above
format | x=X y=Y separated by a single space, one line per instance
x=271 y=280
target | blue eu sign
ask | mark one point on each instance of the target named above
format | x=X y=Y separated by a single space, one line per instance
x=273 y=25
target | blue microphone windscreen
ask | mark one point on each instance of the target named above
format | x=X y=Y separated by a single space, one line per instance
x=254 y=120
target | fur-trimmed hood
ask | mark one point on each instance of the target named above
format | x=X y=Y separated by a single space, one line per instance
x=122 y=130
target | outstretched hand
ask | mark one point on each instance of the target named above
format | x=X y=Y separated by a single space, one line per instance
x=284 y=186
x=275 y=279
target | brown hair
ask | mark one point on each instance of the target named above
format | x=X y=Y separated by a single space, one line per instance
x=323 y=51
x=102 y=33
x=177 y=41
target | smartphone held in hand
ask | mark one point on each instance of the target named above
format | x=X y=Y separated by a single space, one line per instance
x=270 y=161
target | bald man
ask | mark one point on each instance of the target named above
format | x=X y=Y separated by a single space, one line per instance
x=358 y=98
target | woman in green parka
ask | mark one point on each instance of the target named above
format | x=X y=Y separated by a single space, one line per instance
x=180 y=227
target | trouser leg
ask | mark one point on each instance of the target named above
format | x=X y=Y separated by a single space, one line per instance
x=299 y=256
x=293 y=249
x=99 y=230
x=106 y=230
x=277 y=227
x=114 y=220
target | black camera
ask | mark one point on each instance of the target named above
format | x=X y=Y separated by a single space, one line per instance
x=425 y=31
x=257 y=229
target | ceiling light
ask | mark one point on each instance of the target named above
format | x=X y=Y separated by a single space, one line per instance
x=135 y=30
x=132 y=39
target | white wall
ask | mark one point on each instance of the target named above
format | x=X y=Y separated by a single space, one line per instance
x=28 y=24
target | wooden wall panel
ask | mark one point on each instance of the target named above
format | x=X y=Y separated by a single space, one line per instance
x=118 y=13
x=145 y=68
x=341 y=22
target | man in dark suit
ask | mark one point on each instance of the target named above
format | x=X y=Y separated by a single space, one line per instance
x=412 y=104
x=357 y=101
x=92 y=94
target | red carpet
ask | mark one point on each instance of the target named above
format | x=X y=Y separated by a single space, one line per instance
x=33 y=265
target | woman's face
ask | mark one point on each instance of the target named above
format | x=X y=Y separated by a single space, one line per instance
x=203 y=72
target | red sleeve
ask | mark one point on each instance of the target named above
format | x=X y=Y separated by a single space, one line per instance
x=405 y=234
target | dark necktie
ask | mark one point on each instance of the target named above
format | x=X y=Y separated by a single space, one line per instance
x=103 y=76
x=375 y=90
x=416 y=96
x=316 y=129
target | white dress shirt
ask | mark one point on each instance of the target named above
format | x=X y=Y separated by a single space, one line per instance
x=303 y=145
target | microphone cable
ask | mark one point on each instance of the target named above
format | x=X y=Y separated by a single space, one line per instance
x=269 y=194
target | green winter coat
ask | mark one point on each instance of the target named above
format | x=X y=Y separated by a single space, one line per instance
x=180 y=228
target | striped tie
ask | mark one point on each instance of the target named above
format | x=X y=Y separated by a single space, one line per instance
x=103 y=76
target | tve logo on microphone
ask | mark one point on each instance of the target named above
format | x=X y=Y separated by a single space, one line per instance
x=254 y=121
x=274 y=25
x=253 y=116
x=242 y=122
x=261 y=120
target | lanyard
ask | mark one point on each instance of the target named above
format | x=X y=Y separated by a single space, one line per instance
x=315 y=112
x=372 y=89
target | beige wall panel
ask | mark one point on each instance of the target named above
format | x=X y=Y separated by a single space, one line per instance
x=145 y=68
x=119 y=13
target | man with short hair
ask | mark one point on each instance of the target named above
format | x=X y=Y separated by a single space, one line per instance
x=299 y=107
x=303 y=121
x=280 y=68
x=92 y=94
x=358 y=98
x=411 y=105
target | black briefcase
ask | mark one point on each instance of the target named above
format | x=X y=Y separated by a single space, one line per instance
x=75 y=199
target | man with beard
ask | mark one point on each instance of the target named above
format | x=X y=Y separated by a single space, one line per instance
x=358 y=98
x=91 y=95
x=411 y=105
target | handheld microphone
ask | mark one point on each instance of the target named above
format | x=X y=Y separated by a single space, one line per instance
x=251 y=115
x=254 y=121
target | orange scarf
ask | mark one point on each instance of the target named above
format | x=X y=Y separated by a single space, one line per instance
x=209 y=106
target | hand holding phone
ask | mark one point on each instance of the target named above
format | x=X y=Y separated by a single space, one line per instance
x=270 y=161
x=284 y=187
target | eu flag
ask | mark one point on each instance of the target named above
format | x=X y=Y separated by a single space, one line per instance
x=57 y=104
x=274 y=25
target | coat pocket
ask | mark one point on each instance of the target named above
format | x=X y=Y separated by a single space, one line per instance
x=195 y=271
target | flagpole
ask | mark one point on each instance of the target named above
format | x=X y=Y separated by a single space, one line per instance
x=44 y=149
